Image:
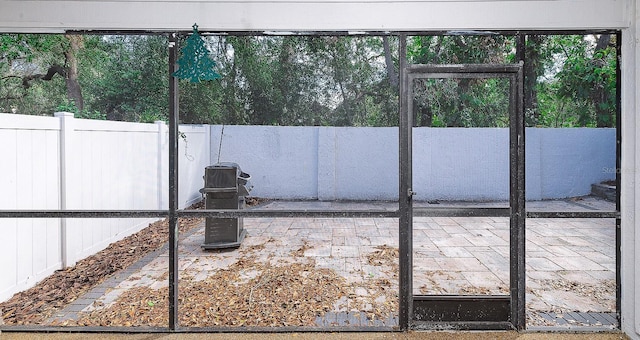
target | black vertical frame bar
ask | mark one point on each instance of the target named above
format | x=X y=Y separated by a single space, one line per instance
x=520 y=47
x=405 y=220
x=173 y=184
x=517 y=195
x=618 y=176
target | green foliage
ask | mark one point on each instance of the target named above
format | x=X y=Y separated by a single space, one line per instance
x=128 y=80
x=313 y=80
x=460 y=102
x=592 y=79
x=305 y=81
x=69 y=106
x=14 y=46
x=576 y=84
x=31 y=47
x=25 y=55
x=460 y=49
x=569 y=81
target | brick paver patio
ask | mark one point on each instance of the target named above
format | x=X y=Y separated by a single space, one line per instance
x=570 y=263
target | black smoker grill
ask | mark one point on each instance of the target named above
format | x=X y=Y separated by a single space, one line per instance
x=225 y=187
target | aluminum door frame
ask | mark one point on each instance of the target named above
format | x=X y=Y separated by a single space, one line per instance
x=501 y=312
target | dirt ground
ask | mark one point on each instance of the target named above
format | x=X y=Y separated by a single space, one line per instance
x=321 y=336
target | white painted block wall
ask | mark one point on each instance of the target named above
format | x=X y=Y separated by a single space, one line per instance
x=348 y=163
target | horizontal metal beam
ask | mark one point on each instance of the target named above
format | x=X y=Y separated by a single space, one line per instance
x=511 y=32
x=286 y=329
x=360 y=213
x=81 y=213
x=461 y=326
x=461 y=212
x=288 y=213
x=463 y=71
x=573 y=214
x=347 y=33
x=195 y=213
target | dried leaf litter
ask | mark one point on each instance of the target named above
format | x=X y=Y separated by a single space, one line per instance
x=280 y=295
x=37 y=304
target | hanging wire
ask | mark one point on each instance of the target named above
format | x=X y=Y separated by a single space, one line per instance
x=189 y=157
x=220 y=145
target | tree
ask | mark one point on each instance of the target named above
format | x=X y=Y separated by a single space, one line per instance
x=27 y=55
x=308 y=80
x=25 y=58
x=128 y=77
x=464 y=101
x=589 y=74
x=580 y=81
x=355 y=71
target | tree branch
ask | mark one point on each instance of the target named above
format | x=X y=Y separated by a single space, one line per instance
x=8 y=97
x=10 y=76
x=52 y=71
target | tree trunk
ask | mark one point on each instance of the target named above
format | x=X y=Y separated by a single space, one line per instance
x=464 y=84
x=600 y=93
x=533 y=68
x=74 y=91
x=426 y=116
x=391 y=69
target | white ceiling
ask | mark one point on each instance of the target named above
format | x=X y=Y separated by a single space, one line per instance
x=311 y=15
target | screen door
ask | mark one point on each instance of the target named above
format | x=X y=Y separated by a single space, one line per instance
x=466 y=197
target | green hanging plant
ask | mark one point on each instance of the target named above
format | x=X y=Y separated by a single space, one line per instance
x=196 y=64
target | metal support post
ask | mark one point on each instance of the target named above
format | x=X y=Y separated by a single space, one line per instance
x=173 y=184
x=405 y=195
x=618 y=176
x=517 y=194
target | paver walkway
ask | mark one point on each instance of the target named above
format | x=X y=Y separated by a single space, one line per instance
x=570 y=262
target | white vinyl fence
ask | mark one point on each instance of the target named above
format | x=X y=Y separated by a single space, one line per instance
x=60 y=162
